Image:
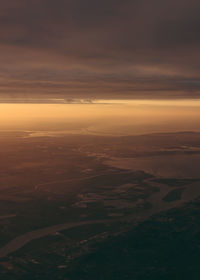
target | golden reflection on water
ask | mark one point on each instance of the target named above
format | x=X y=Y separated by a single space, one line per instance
x=112 y=117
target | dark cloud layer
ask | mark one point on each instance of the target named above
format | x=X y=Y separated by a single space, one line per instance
x=107 y=48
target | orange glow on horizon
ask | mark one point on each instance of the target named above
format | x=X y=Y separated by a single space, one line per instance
x=110 y=116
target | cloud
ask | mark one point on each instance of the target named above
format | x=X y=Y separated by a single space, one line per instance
x=92 y=49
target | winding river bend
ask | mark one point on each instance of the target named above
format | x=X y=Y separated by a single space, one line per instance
x=191 y=192
x=22 y=240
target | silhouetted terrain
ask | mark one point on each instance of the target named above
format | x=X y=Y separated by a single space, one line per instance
x=93 y=207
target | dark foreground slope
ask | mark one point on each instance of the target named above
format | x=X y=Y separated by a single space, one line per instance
x=165 y=247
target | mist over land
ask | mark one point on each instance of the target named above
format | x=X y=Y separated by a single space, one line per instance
x=99 y=140
x=81 y=179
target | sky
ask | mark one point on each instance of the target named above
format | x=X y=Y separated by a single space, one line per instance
x=141 y=49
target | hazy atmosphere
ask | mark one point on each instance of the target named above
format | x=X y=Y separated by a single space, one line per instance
x=99 y=140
